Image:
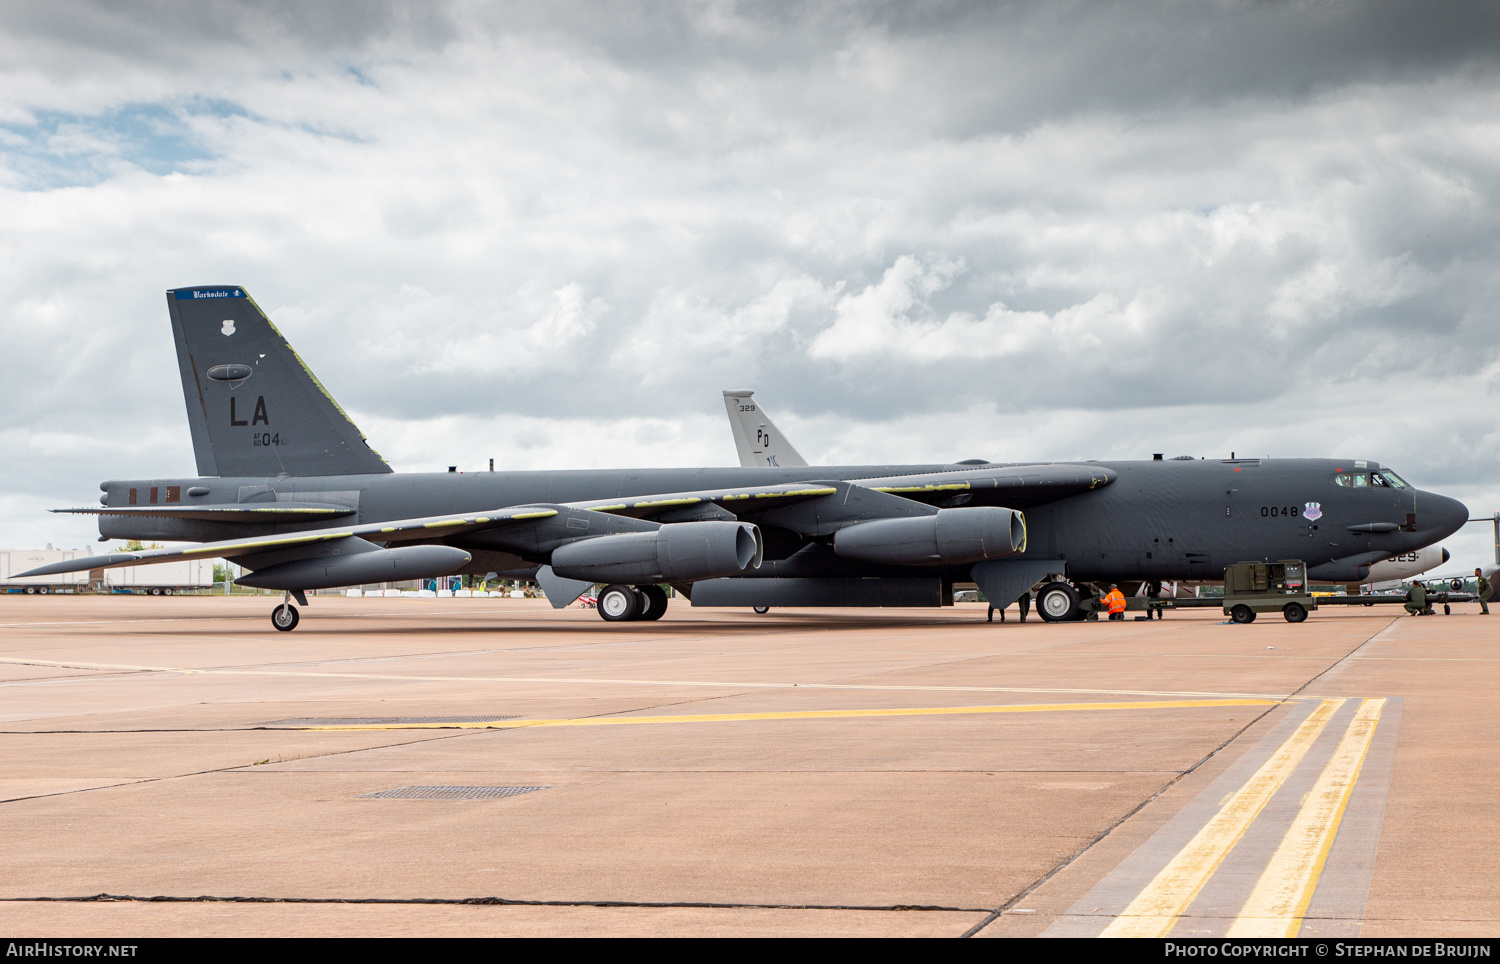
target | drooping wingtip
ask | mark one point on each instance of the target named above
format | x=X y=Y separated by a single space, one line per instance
x=81 y=565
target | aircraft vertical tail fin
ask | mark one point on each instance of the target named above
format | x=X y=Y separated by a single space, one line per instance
x=755 y=437
x=253 y=405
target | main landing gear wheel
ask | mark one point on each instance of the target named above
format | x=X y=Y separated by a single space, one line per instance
x=1057 y=602
x=618 y=604
x=284 y=617
x=653 y=602
x=762 y=610
x=1244 y=614
x=1294 y=612
x=30 y=590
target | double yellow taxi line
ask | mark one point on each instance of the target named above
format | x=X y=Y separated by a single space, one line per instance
x=1281 y=895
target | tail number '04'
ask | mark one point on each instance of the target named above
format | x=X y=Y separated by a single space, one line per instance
x=1271 y=511
x=265 y=438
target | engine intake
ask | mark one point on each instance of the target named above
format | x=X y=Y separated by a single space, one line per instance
x=681 y=551
x=951 y=537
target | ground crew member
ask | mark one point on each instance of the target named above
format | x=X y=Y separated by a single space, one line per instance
x=1416 y=600
x=1482 y=589
x=1024 y=602
x=1114 y=600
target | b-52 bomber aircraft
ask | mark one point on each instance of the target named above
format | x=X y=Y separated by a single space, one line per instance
x=288 y=488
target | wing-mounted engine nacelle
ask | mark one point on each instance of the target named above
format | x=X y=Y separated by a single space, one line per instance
x=951 y=537
x=681 y=551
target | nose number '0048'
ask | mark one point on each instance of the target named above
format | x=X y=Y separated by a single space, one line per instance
x=1272 y=511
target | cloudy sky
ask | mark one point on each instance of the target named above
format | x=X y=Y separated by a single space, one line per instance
x=551 y=234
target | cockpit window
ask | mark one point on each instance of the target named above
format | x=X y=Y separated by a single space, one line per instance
x=1382 y=479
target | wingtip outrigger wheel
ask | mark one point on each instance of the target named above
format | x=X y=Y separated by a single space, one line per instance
x=284 y=617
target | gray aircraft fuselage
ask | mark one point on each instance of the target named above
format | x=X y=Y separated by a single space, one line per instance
x=1158 y=520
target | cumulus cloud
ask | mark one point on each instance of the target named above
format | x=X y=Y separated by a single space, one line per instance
x=552 y=234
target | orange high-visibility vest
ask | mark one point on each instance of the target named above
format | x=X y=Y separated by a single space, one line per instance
x=1115 y=601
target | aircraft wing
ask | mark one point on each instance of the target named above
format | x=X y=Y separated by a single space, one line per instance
x=1020 y=484
x=428 y=528
x=736 y=500
x=1016 y=486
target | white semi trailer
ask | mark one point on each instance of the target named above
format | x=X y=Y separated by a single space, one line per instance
x=162 y=579
x=159 y=580
x=13 y=561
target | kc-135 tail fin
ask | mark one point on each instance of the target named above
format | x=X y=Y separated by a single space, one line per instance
x=254 y=407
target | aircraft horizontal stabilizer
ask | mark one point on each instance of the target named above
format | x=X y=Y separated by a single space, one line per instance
x=273 y=512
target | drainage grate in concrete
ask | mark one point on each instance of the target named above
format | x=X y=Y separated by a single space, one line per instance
x=448 y=793
x=384 y=720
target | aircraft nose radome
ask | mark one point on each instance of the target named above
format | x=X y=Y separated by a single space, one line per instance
x=1441 y=514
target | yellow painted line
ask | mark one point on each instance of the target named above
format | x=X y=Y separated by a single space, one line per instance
x=608 y=508
x=1257 y=698
x=1156 y=908
x=1280 y=899
x=662 y=502
x=807 y=715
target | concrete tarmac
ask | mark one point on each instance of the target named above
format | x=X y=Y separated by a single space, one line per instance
x=478 y=767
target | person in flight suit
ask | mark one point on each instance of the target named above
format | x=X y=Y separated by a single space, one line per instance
x=1416 y=600
x=1484 y=591
x=1114 y=600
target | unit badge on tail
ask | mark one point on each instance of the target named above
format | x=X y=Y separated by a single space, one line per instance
x=1313 y=511
x=228 y=328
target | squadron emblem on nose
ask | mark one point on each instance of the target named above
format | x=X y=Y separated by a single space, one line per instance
x=228 y=328
x=1313 y=511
